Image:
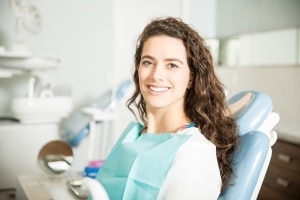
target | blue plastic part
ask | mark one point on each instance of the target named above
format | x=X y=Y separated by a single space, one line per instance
x=252 y=116
x=91 y=171
x=82 y=134
x=249 y=161
x=251 y=154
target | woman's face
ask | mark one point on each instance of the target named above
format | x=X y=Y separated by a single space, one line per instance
x=163 y=73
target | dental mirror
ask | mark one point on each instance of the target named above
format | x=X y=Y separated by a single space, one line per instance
x=55 y=157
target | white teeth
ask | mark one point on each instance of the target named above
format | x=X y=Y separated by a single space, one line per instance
x=158 y=89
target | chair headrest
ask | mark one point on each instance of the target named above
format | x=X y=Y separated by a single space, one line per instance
x=250 y=108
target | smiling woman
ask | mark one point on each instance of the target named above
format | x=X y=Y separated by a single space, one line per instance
x=163 y=75
x=182 y=148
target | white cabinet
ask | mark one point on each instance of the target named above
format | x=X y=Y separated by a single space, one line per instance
x=277 y=47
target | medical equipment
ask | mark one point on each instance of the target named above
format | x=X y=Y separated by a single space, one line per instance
x=27 y=16
x=76 y=189
x=256 y=120
x=36 y=114
x=36 y=122
x=77 y=126
x=40 y=104
x=55 y=157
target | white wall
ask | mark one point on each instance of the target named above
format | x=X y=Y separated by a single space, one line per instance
x=235 y=17
x=263 y=48
x=201 y=14
x=266 y=48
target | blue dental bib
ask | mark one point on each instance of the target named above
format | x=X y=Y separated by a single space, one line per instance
x=138 y=164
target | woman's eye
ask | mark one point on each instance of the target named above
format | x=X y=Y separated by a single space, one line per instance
x=146 y=62
x=173 y=65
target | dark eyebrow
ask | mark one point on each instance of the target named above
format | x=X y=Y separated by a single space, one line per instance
x=147 y=56
x=174 y=59
x=168 y=59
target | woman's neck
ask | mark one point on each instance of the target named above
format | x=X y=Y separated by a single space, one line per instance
x=166 y=122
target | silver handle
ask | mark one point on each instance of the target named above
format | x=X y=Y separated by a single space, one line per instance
x=284 y=158
x=282 y=182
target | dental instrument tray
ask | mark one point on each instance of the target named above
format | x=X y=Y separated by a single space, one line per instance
x=27 y=61
x=76 y=189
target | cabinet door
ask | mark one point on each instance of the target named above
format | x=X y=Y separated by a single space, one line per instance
x=286 y=155
x=268 y=193
x=282 y=180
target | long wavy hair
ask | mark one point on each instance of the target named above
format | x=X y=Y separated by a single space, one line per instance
x=205 y=101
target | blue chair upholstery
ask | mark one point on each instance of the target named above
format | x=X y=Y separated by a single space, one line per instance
x=253 y=154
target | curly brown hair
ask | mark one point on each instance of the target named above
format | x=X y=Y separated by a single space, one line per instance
x=205 y=102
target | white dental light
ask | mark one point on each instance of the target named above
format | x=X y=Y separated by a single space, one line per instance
x=27 y=16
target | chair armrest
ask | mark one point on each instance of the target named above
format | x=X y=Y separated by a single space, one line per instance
x=250 y=158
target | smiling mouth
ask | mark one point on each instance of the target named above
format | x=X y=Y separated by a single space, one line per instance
x=158 y=89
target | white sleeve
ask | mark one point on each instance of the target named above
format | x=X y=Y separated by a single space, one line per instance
x=194 y=174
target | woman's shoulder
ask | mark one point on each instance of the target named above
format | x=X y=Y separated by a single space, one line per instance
x=197 y=136
x=194 y=173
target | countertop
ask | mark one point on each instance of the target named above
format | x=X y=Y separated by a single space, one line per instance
x=43 y=187
x=288 y=130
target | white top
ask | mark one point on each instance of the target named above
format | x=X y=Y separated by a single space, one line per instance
x=194 y=173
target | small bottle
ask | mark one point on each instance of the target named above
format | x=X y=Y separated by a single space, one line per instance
x=92 y=169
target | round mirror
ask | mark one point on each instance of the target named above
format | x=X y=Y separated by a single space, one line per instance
x=55 y=157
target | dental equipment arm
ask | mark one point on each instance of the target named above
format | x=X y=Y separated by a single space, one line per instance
x=95 y=189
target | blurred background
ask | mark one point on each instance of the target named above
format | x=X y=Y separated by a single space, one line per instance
x=255 y=45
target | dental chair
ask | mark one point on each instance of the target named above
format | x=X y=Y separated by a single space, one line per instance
x=253 y=112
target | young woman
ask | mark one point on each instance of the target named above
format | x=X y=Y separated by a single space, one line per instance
x=183 y=146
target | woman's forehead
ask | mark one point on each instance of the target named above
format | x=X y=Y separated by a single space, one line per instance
x=164 y=46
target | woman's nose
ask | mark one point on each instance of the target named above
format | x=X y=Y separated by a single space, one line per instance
x=158 y=72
